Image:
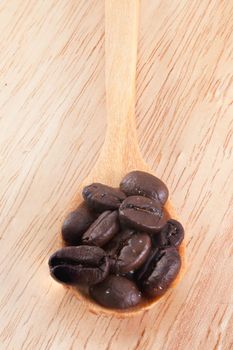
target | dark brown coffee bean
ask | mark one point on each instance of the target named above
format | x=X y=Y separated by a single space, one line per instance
x=161 y=271
x=172 y=234
x=76 y=223
x=79 y=265
x=102 y=230
x=140 y=274
x=131 y=253
x=117 y=242
x=102 y=197
x=142 y=214
x=144 y=184
x=116 y=292
x=113 y=246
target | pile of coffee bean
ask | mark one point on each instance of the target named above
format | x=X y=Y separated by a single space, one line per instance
x=120 y=242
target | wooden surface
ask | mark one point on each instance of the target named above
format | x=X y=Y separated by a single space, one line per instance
x=52 y=127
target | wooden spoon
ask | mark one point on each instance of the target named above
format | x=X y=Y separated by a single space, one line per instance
x=120 y=153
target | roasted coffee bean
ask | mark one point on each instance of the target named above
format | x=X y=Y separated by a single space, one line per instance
x=116 y=292
x=102 y=197
x=117 y=242
x=156 y=277
x=103 y=229
x=79 y=265
x=113 y=246
x=76 y=223
x=139 y=274
x=172 y=234
x=131 y=253
x=144 y=184
x=142 y=214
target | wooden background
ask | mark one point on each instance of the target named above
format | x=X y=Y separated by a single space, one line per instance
x=52 y=127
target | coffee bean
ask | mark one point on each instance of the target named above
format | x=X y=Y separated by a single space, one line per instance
x=79 y=265
x=172 y=234
x=117 y=242
x=131 y=253
x=142 y=214
x=102 y=230
x=140 y=274
x=116 y=292
x=144 y=184
x=76 y=223
x=102 y=197
x=160 y=272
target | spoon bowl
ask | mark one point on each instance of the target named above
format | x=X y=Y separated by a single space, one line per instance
x=120 y=153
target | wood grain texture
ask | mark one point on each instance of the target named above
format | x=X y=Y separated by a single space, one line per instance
x=52 y=127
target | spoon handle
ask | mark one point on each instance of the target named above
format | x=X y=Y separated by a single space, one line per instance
x=121 y=37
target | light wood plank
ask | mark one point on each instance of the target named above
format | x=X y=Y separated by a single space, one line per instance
x=52 y=127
